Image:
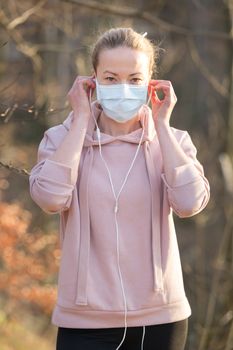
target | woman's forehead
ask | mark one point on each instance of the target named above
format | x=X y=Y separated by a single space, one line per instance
x=123 y=58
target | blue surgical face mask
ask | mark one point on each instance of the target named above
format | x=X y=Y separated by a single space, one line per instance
x=121 y=102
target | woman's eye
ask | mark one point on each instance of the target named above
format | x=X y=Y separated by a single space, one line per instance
x=136 y=81
x=109 y=78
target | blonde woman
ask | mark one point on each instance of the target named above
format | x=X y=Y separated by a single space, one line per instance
x=115 y=171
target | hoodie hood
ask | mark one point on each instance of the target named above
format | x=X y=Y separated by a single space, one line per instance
x=145 y=118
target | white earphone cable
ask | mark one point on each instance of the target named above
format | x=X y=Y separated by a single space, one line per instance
x=116 y=222
x=143 y=336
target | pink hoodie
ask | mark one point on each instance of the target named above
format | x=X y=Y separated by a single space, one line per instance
x=89 y=288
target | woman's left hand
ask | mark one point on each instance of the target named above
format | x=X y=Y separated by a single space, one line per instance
x=162 y=109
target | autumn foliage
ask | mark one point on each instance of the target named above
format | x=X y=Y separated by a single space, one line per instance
x=28 y=261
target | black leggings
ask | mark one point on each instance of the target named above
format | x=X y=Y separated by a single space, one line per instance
x=168 y=336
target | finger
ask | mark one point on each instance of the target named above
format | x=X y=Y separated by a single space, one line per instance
x=166 y=90
x=162 y=85
x=161 y=91
x=78 y=79
x=155 y=81
x=153 y=95
x=85 y=83
x=82 y=86
x=90 y=85
x=83 y=79
x=155 y=99
x=152 y=89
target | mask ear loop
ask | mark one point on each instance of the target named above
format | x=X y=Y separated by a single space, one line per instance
x=97 y=127
x=149 y=99
x=147 y=104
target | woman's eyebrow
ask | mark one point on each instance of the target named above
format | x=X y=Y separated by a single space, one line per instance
x=107 y=71
x=135 y=74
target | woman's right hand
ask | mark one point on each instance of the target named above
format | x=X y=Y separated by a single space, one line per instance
x=78 y=96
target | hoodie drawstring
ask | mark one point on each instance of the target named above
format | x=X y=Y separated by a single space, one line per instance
x=155 y=206
x=84 y=250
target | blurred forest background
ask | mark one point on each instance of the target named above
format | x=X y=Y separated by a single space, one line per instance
x=43 y=46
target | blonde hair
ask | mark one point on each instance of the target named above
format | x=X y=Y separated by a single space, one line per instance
x=127 y=37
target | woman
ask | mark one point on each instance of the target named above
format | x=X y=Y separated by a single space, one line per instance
x=115 y=171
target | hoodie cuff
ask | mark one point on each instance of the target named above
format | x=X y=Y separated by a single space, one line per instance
x=58 y=172
x=182 y=175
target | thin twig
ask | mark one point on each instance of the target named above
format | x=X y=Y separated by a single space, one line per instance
x=10 y=113
x=3 y=44
x=10 y=84
x=221 y=89
x=14 y=169
x=29 y=109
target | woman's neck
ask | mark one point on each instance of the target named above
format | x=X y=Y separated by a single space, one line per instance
x=113 y=128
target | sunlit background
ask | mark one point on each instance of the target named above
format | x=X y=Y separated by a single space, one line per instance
x=44 y=45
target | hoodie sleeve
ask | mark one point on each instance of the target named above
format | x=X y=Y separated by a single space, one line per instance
x=189 y=191
x=50 y=182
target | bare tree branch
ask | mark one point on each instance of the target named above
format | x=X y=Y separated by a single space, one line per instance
x=27 y=49
x=14 y=169
x=50 y=18
x=9 y=110
x=221 y=89
x=153 y=19
x=23 y=18
x=3 y=44
x=10 y=84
